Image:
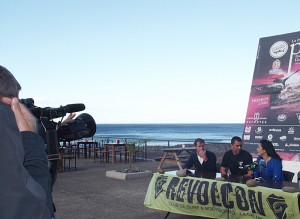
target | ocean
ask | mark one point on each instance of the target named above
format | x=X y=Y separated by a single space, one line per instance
x=169 y=134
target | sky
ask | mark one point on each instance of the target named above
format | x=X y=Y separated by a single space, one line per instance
x=140 y=61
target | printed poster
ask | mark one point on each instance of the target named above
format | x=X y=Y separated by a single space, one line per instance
x=274 y=104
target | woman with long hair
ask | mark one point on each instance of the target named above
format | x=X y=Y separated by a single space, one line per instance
x=270 y=166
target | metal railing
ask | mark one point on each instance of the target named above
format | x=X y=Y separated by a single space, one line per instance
x=153 y=146
x=150 y=142
x=142 y=142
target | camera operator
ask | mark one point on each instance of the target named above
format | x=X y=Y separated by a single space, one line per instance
x=25 y=178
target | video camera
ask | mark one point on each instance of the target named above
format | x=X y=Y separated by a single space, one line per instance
x=83 y=126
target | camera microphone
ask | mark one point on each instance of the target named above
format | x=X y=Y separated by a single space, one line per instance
x=62 y=110
x=50 y=112
x=72 y=108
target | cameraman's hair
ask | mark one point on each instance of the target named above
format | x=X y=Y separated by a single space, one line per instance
x=9 y=86
x=235 y=138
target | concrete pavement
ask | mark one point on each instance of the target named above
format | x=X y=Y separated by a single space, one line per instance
x=88 y=194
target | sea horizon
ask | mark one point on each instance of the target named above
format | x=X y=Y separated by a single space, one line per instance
x=166 y=133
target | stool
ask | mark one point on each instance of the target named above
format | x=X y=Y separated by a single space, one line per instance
x=68 y=153
x=102 y=154
x=126 y=156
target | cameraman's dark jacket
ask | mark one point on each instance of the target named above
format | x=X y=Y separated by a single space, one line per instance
x=25 y=183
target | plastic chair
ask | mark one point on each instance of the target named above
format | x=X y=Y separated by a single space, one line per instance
x=288 y=176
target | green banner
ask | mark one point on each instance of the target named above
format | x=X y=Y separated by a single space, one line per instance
x=219 y=199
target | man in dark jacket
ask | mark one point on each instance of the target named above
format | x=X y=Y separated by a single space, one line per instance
x=205 y=162
x=25 y=184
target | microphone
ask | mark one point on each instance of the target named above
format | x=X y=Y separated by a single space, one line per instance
x=72 y=108
x=161 y=171
x=251 y=183
x=262 y=164
x=181 y=173
x=220 y=178
x=251 y=166
x=289 y=189
x=61 y=111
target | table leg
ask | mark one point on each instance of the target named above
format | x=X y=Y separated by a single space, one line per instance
x=90 y=150
x=61 y=160
x=78 y=150
x=113 y=154
x=85 y=151
x=177 y=160
x=162 y=160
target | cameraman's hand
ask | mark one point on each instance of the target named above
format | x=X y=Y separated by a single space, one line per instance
x=25 y=120
x=68 y=119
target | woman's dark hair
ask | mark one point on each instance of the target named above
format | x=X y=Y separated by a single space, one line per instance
x=198 y=140
x=268 y=146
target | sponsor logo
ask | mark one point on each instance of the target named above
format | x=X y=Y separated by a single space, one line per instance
x=282 y=138
x=291 y=130
x=160 y=181
x=274 y=130
x=258 y=137
x=278 y=49
x=258 y=130
x=276 y=68
x=257 y=119
x=241 y=165
x=291 y=145
x=296 y=139
x=278 y=206
x=275 y=144
x=276 y=64
x=247 y=129
x=246 y=137
x=270 y=137
x=256 y=116
x=298 y=116
x=281 y=117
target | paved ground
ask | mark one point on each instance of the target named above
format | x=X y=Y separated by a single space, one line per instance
x=88 y=194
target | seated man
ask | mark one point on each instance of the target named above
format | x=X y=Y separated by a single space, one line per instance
x=203 y=161
x=235 y=160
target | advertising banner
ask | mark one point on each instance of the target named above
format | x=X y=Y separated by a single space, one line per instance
x=274 y=104
x=219 y=199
